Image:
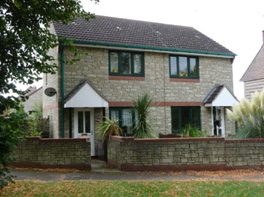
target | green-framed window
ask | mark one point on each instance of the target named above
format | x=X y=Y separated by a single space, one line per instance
x=184 y=67
x=126 y=117
x=182 y=116
x=126 y=63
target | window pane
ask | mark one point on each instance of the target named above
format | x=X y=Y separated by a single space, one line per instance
x=183 y=66
x=137 y=63
x=114 y=115
x=114 y=62
x=127 y=120
x=175 y=119
x=87 y=122
x=184 y=117
x=125 y=63
x=80 y=122
x=193 y=67
x=195 y=118
x=173 y=64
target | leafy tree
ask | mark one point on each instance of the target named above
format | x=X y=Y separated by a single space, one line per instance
x=250 y=116
x=24 y=42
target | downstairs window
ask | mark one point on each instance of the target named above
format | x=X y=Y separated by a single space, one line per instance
x=182 y=116
x=125 y=117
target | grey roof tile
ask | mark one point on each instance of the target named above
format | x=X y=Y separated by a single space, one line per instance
x=255 y=70
x=117 y=31
x=214 y=93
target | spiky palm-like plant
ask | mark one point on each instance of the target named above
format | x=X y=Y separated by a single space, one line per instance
x=250 y=116
x=142 y=128
x=108 y=128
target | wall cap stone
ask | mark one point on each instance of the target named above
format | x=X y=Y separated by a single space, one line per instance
x=245 y=140
x=186 y=139
x=57 y=140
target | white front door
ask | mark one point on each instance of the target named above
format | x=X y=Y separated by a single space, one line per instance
x=84 y=125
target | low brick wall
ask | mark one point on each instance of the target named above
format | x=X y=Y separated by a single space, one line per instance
x=53 y=153
x=130 y=154
x=245 y=153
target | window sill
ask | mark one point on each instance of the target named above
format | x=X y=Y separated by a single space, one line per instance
x=185 y=80
x=128 y=78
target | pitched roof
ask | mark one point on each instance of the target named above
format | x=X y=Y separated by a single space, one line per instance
x=256 y=68
x=216 y=91
x=78 y=87
x=139 y=34
x=213 y=93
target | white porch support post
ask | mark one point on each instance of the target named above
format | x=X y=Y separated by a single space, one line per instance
x=223 y=121
x=212 y=119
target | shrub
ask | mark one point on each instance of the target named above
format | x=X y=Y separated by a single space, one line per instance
x=193 y=132
x=11 y=128
x=108 y=128
x=142 y=128
x=250 y=116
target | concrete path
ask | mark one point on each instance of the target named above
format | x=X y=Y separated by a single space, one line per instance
x=60 y=176
x=101 y=171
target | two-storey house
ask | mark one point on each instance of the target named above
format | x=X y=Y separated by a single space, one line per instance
x=187 y=74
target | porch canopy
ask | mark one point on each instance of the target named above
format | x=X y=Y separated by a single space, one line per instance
x=220 y=96
x=85 y=95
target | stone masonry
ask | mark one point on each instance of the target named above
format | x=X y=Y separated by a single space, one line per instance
x=131 y=154
x=94 y=65
x=53 y=153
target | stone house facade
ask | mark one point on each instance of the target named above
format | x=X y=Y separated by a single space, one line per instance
x=188 y=76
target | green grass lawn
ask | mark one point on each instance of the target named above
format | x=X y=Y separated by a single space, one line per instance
x=134 y=188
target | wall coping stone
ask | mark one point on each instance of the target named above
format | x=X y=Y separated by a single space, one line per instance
x=185 y=139
x=57 y=140
x=245 y=140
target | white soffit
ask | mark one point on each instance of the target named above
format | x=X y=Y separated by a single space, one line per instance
x=86 y=97
x=224 y=99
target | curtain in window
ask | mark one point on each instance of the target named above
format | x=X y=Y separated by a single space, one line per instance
x=137 y=63
x=127 y=120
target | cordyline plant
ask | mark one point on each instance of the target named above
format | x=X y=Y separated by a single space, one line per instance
x=108 y=128
x=250 y=116
x=142 y=127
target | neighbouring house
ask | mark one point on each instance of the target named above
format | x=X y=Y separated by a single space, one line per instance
x=253 y=78
x=188 y=75
x=34 y=98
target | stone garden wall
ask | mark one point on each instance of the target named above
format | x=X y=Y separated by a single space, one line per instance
x=53 y=153
x=130 y=154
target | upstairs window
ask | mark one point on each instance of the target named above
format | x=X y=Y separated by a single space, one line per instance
x=184 y=67
x=126 y=63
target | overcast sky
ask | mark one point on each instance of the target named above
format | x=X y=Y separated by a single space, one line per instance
x=235 y=24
